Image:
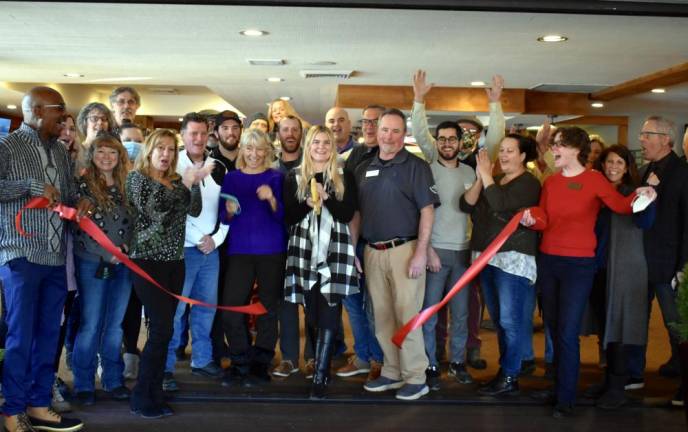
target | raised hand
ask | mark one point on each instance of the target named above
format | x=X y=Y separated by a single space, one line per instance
x=420 y=86
x=494 y=93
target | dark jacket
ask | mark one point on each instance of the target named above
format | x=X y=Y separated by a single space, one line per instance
x=666 y=242
x=496 y=206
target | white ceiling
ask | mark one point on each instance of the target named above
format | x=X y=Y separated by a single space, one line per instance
x=200 y=47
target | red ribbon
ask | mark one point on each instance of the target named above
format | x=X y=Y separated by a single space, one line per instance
x=89 y=227
x=472 y=271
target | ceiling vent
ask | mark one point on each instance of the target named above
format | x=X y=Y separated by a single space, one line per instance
x=266 y=62
x=569 y=88
x=169 y=91
x=314 y=73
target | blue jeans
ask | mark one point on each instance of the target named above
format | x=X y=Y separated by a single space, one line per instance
x=102 y=305
x=505 y=297
x=359 y=307
x=35 y=296
x=454 y=264
x=527 y=337
x=200 y=283
x=565 y=283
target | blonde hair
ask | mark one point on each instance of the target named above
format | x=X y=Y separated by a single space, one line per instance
x=94 y=178
x=288 y=111
x=332 y=178
x=143 y=161
x=258 y=139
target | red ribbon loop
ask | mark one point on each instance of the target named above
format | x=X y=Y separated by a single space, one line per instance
x=89 y=227
x=420 y=318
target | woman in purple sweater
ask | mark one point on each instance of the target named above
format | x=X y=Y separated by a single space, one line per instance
x=256 y=252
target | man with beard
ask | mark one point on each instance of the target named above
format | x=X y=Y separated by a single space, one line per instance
x=124 y=101
x=228 y=129
x=448 y=253
x=289 y=133
x=471 y=131
x=337 y=120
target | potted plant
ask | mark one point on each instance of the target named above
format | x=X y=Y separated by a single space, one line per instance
x=681 y=327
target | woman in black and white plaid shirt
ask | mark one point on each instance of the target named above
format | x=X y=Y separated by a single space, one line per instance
x=320 y=256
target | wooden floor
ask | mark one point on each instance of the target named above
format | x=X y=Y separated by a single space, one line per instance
x=283 y=405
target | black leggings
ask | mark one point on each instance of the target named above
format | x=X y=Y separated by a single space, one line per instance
x=131 y=325
x=160 y=309
x=242 y=272
x=319 y=313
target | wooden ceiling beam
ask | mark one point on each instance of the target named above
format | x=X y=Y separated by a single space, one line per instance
x=663 y=78
x=463 y=99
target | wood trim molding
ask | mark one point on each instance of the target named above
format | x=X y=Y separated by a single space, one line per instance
x=663 y=78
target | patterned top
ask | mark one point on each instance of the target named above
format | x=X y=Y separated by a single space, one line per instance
x=160 y=216
x=26 y=165
x=116 y=223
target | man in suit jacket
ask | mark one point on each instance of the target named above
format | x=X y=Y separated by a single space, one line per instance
x=666 y=243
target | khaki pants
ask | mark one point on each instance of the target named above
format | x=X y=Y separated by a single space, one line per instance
x=396 y=299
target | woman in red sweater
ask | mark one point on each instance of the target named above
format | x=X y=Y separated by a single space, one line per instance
x=568 y=209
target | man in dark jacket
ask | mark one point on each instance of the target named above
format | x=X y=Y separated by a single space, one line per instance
x=666 y=243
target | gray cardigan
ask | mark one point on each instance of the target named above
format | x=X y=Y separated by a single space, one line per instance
x=496 y=206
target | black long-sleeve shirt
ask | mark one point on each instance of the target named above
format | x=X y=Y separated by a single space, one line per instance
x=342 y=211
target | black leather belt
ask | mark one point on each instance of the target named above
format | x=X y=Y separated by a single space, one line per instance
x=389 y=244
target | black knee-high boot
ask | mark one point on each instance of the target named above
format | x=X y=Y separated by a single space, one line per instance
x=323 y=361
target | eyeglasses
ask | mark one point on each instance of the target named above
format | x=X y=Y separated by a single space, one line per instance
x=367 y=122
x=648 y=134
x=558 y=143
x=96 y=119
x=450 y=140
x=121 y=102
x=60 y=107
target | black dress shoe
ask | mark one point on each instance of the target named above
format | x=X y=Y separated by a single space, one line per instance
x=64 y=425
x=85 y=398
x=562 y=410
x=545 y=396
x=120 y=393
x=503 y=385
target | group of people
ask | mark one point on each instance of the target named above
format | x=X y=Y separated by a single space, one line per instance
x=288 y=213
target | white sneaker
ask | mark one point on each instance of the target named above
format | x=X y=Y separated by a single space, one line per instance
x=131 y=366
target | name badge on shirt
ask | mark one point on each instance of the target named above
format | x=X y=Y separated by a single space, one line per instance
x=373 y=173
x=575 y=186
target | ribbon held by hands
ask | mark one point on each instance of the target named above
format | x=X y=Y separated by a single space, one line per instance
x=420 y=318
x=89 y=227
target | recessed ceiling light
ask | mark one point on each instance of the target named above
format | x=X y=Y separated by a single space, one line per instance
x=253 y=32
x=597 y=105
x=285 y=98
x=477 y=83
x=11 y=107
x=322 y=63
x=74 y=75
x=275 y=79
x=659 y=90
x=181 y=119
x=552 y=38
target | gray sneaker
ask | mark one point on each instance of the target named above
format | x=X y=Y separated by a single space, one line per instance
x=58 y=402
x=458 y=371
x=383 y=384
x=412 y=391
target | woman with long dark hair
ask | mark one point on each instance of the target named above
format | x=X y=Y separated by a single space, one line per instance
x=621 y=278
x=507 y=281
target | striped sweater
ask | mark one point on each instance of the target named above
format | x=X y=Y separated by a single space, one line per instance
x=22 y=177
